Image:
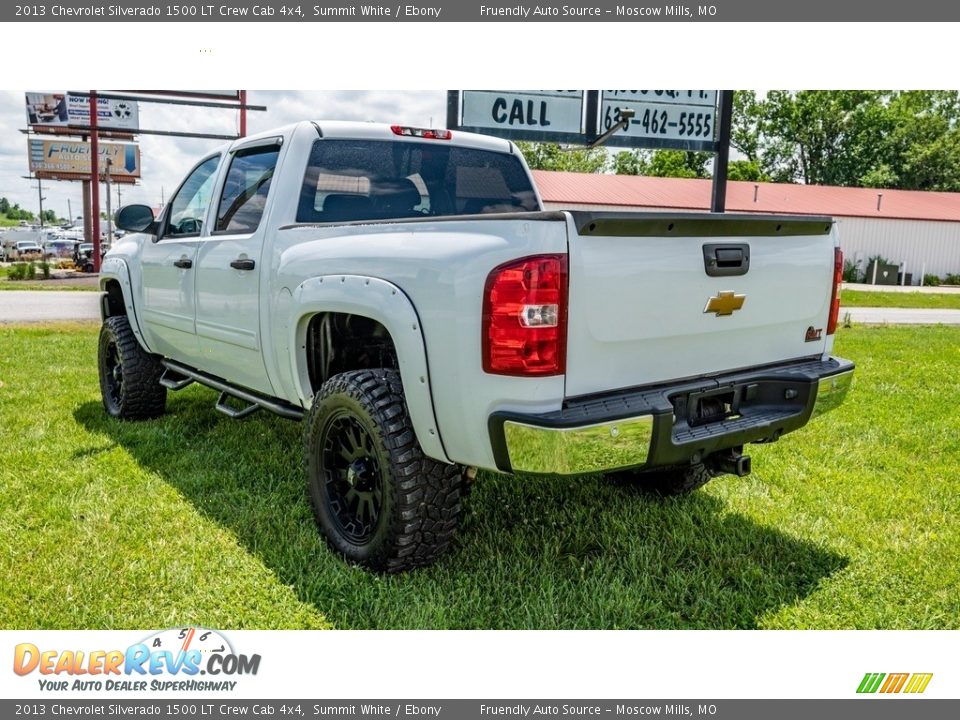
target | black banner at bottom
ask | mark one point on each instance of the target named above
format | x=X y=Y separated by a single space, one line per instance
x=869 y=708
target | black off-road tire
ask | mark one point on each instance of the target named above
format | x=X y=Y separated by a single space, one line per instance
x=358 y=438
x=129 y=375
x=666 y=481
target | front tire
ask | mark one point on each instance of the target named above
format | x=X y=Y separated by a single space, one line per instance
x=378 y=499
x=129 y=375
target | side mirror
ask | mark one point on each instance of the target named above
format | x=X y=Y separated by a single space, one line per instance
x=136 y=218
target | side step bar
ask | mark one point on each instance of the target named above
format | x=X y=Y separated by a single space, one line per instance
x=178 y=376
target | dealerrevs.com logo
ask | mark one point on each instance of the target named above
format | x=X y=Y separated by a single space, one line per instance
x=172 y=659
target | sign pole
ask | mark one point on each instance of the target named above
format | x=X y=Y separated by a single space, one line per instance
x=718 y=196
x=94 y=182
x=243 y=113
x=453 y=109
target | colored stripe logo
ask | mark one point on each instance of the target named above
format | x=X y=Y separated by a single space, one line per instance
x=894 y=683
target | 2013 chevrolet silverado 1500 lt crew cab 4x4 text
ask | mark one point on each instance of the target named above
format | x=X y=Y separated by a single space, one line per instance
x=403 y=292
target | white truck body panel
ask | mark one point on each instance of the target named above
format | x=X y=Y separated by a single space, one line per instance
x=635 y=303
x=637 y=308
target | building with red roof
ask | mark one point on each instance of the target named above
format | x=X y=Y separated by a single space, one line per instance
x=919 y=231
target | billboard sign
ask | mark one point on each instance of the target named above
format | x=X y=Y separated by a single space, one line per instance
x=662 y=114
x=72 y=159
x=63 y=110
x=523 y=112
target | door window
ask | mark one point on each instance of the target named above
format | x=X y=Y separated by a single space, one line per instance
x=244 y=195
x=189 y=206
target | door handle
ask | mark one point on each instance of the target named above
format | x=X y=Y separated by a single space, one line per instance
x=726 y=259
x=183 y=263
x=243 y=264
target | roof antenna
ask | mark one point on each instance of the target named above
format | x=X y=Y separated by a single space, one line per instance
x=879 y=200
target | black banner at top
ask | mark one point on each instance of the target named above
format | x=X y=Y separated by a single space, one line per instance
x=479 y=11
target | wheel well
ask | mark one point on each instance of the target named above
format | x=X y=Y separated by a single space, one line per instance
x=340 y=342
x=114 y=304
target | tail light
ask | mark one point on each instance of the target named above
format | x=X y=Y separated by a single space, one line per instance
x=835 y=296
x=525 y=317
x=425 y=133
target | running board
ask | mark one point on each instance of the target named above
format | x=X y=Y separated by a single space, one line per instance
x=232 y=412
x=254 y=400
x=173 y=380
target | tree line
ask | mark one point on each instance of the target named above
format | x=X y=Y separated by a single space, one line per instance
x=12 y=212
x=903 y=139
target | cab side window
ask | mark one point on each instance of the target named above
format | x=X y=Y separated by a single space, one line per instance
x=189 y=206
x=245 y=190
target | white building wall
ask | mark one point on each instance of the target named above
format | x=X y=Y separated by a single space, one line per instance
x=918 y=246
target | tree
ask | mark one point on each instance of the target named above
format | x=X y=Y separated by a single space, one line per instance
x=878 y=138
x=746 y=170
x=550 y=156
x=4 y=206
x=662 y=163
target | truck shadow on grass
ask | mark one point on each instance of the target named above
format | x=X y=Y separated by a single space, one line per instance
x=532 y=553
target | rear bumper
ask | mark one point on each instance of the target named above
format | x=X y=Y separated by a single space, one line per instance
x=658 y=426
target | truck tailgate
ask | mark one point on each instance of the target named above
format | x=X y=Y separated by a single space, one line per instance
x=643 y=308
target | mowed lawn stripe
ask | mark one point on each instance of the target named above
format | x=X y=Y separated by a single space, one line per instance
x=92 y=538
x=849 y=523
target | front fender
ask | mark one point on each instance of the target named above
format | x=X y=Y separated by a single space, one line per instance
x=114 y=268
x=384 y=302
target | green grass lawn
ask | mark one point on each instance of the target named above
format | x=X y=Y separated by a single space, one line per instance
x=877 y=298
x=6 y=284
x=852 y=522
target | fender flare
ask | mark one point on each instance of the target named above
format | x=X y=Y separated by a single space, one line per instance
x=114 y=268
x=387 y=304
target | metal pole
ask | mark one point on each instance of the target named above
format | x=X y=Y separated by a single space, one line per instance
x=243 y=113
x=453 y=108
x=593 y=113
x=718 y=199
x=40 y=195
x=94 y=182
x=109 y=211
x=69 y=212
x=86 y=212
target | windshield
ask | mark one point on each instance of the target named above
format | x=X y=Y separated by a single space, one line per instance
x=377 y=179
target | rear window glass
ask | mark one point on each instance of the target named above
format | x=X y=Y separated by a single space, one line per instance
x=378 y=179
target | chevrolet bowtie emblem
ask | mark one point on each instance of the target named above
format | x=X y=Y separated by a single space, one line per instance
x=724 y=303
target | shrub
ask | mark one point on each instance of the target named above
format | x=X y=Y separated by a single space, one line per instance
x=951 y=279
x=850 y=272
x=17 y=271
x=931 y=280
x=44 y=269
x=31 y=271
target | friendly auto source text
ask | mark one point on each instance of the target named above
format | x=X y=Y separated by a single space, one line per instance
x=539 y=11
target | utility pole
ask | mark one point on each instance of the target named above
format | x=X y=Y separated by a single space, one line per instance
x=69 y=212
x=39 y=195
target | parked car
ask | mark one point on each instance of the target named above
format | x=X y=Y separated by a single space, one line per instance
x=26 y=250
x=404 y=294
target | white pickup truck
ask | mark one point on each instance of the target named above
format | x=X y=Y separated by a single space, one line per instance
x=403 y=292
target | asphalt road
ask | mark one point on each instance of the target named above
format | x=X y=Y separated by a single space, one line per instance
x=46 y=305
